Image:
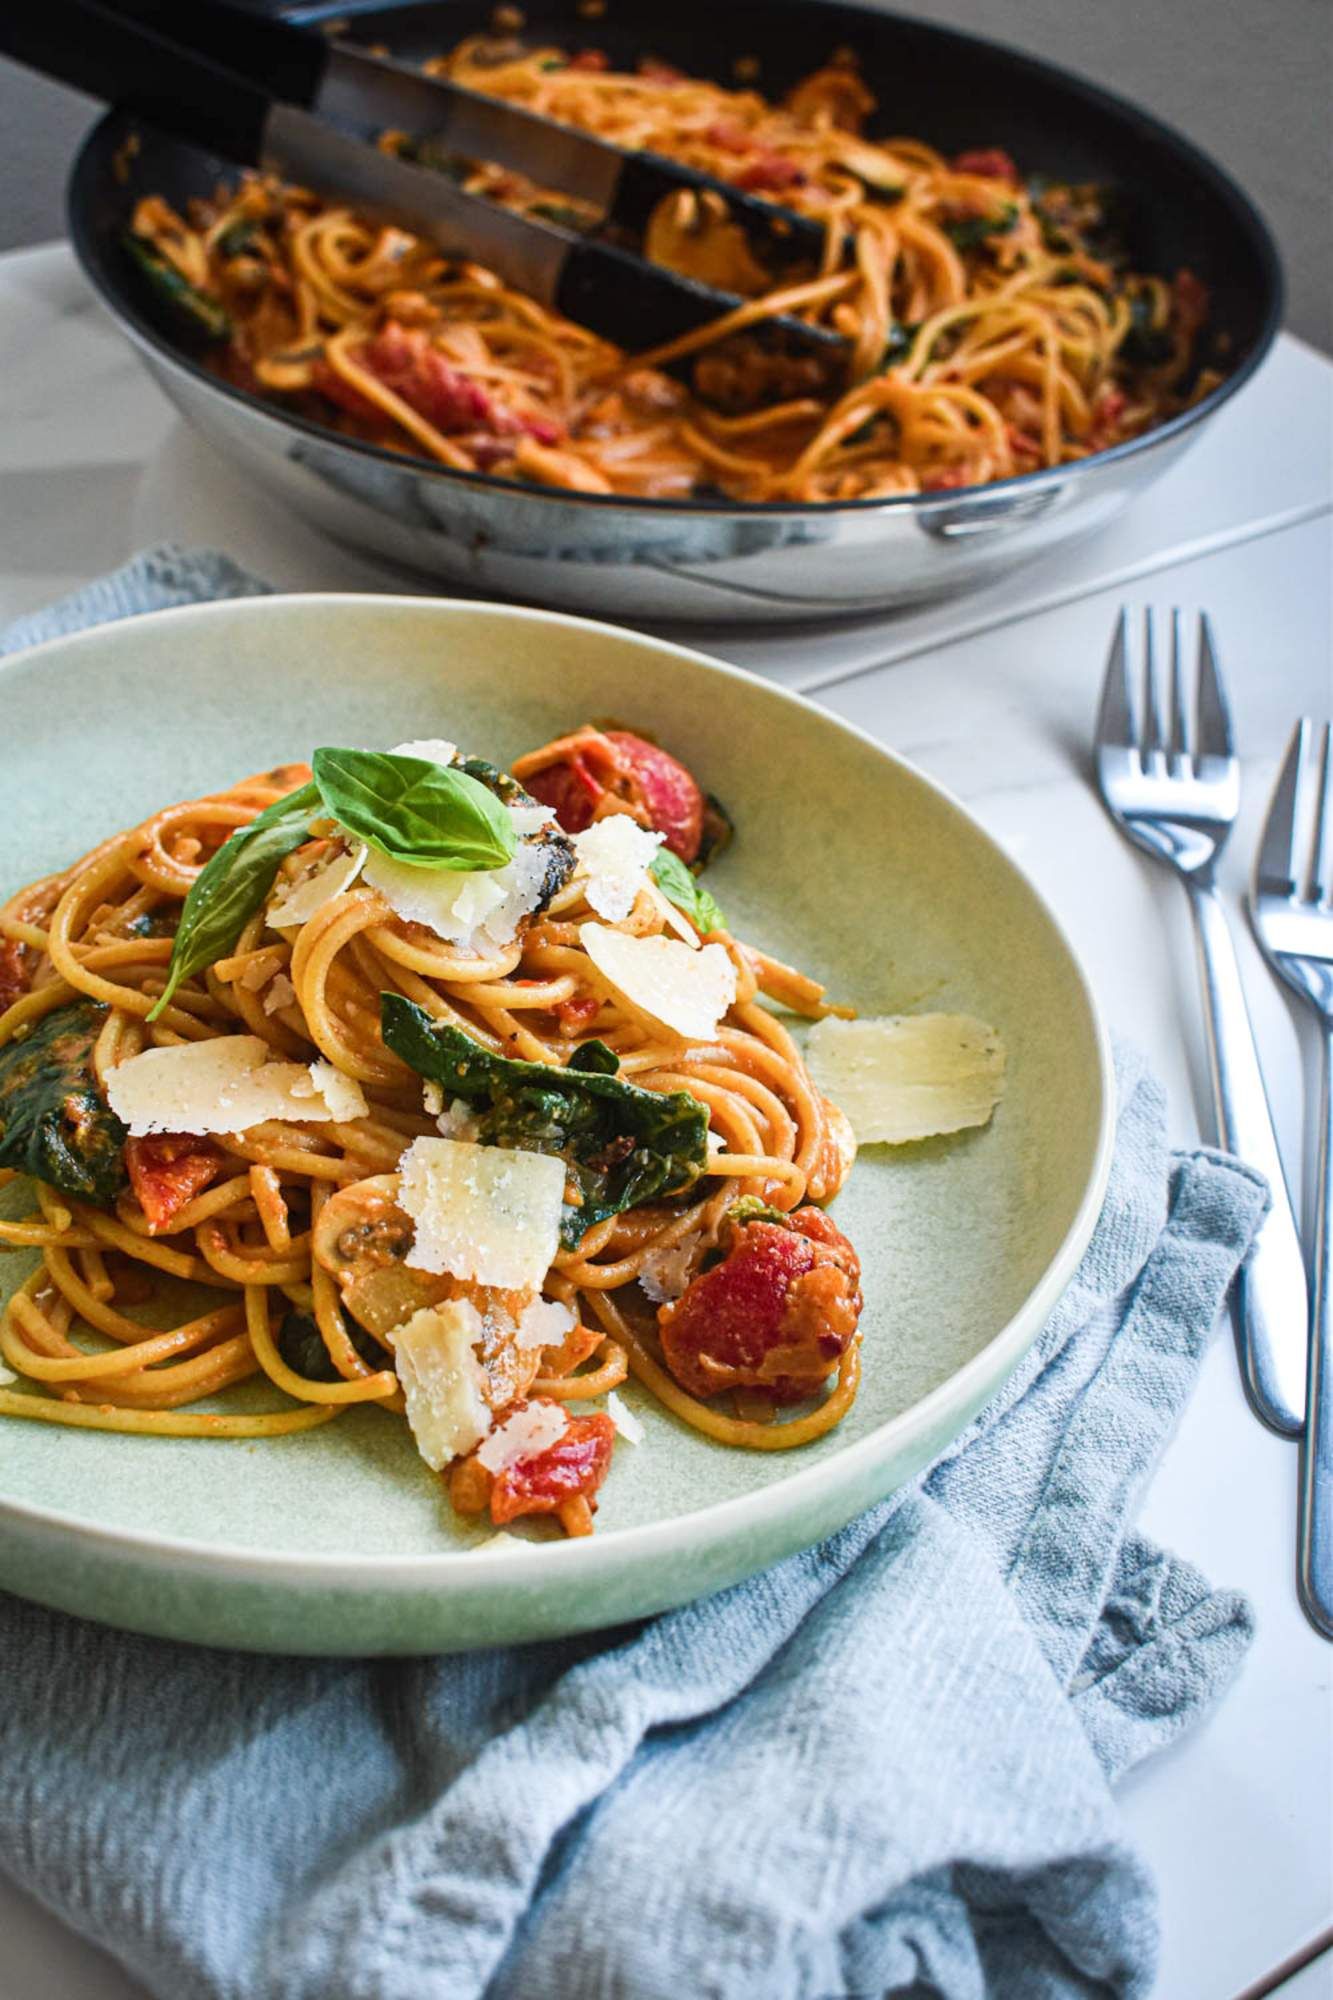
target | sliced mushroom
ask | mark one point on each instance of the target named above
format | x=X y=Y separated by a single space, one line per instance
x=363 y=1239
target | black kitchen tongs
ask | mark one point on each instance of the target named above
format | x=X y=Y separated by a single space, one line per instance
x=264 y=93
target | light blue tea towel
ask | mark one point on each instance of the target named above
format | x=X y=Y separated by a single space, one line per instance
x=884 y=1767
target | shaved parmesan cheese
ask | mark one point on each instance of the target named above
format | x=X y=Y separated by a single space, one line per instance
x=614 y=856
x=478 y=909
x=908 y=1076
x=443 y=1381
x=625 y=1420
x=342 y=1094
x=528 y=1433
x=664 y=1274
x=281 y=993
x=430 y=749
x=227 y=1084
x=674 y=919
x=432 y=1098
x=686 y=992
x=531 y=819
x=544 y=1323
x=331 y=875
x=487 y=1213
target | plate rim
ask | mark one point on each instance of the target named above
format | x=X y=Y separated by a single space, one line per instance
x=722 y=1521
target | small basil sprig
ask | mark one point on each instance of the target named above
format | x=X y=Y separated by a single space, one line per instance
x=425 y=815
x=675 y=881
x=227 y=892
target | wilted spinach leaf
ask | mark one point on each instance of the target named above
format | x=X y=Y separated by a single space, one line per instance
x=301 y=1345
x=971 y=231
x=194 y=311
x=54 y=1123
x=622 y=1145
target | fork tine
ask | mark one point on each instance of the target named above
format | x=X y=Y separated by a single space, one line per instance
x=1154 y=729
x=1320 y=886
x=1115 y=714
x=1212 y=717
x=1275 y=865
x=1180 y=742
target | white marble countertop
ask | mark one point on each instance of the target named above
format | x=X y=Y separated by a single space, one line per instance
x=995 y=697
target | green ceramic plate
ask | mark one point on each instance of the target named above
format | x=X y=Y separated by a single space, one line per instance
x=847 y=862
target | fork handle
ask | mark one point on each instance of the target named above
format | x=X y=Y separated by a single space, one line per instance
x=1270 y=1297
x=1315 y=1568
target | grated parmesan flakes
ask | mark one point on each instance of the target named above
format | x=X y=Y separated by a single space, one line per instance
x=488 y=1213
x=226 y=1084
x=686 y=992
x=614 y=856
x=903 y=1077
x=625 y=1420
x=528 y=1433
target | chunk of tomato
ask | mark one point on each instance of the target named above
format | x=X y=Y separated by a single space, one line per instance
x=168 y=1169
x=572 y=1468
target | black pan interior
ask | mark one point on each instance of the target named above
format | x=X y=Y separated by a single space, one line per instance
x=952 y=89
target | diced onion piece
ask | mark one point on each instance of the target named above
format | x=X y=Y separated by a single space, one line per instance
x=486 y=1213
x=226 y=1084
x=332 y=875
x=664 y=1274
x=280 y=993
x=528 y=1433
x=614 y=856
x=443 y=1381
x=625 y=1420
x=908 y=1076
x=686 y=992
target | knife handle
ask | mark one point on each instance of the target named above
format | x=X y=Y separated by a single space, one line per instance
x=115 y=59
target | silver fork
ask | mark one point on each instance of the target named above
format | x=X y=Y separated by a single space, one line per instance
x=1292 y=908
x=1176 y=793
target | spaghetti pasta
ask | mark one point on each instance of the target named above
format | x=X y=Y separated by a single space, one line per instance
x=709 y=1157
x=993 y=323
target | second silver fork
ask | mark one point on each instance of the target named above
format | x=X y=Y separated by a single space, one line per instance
x=1175 y=792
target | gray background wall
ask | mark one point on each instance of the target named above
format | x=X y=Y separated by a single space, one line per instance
x=1250 y=80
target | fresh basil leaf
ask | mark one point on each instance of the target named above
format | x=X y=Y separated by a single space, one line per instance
x=622 y=1145
x=675 y=881
x=425 y=815
x=228 y=891
x=54 y=1122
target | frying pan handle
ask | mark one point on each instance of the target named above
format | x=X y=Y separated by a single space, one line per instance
x=101 y=52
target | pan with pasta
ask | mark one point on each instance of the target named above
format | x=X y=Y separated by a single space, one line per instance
x=1045 y=298
x=994 y=321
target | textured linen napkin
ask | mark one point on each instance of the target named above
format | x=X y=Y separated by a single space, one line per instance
x=882 y=1767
